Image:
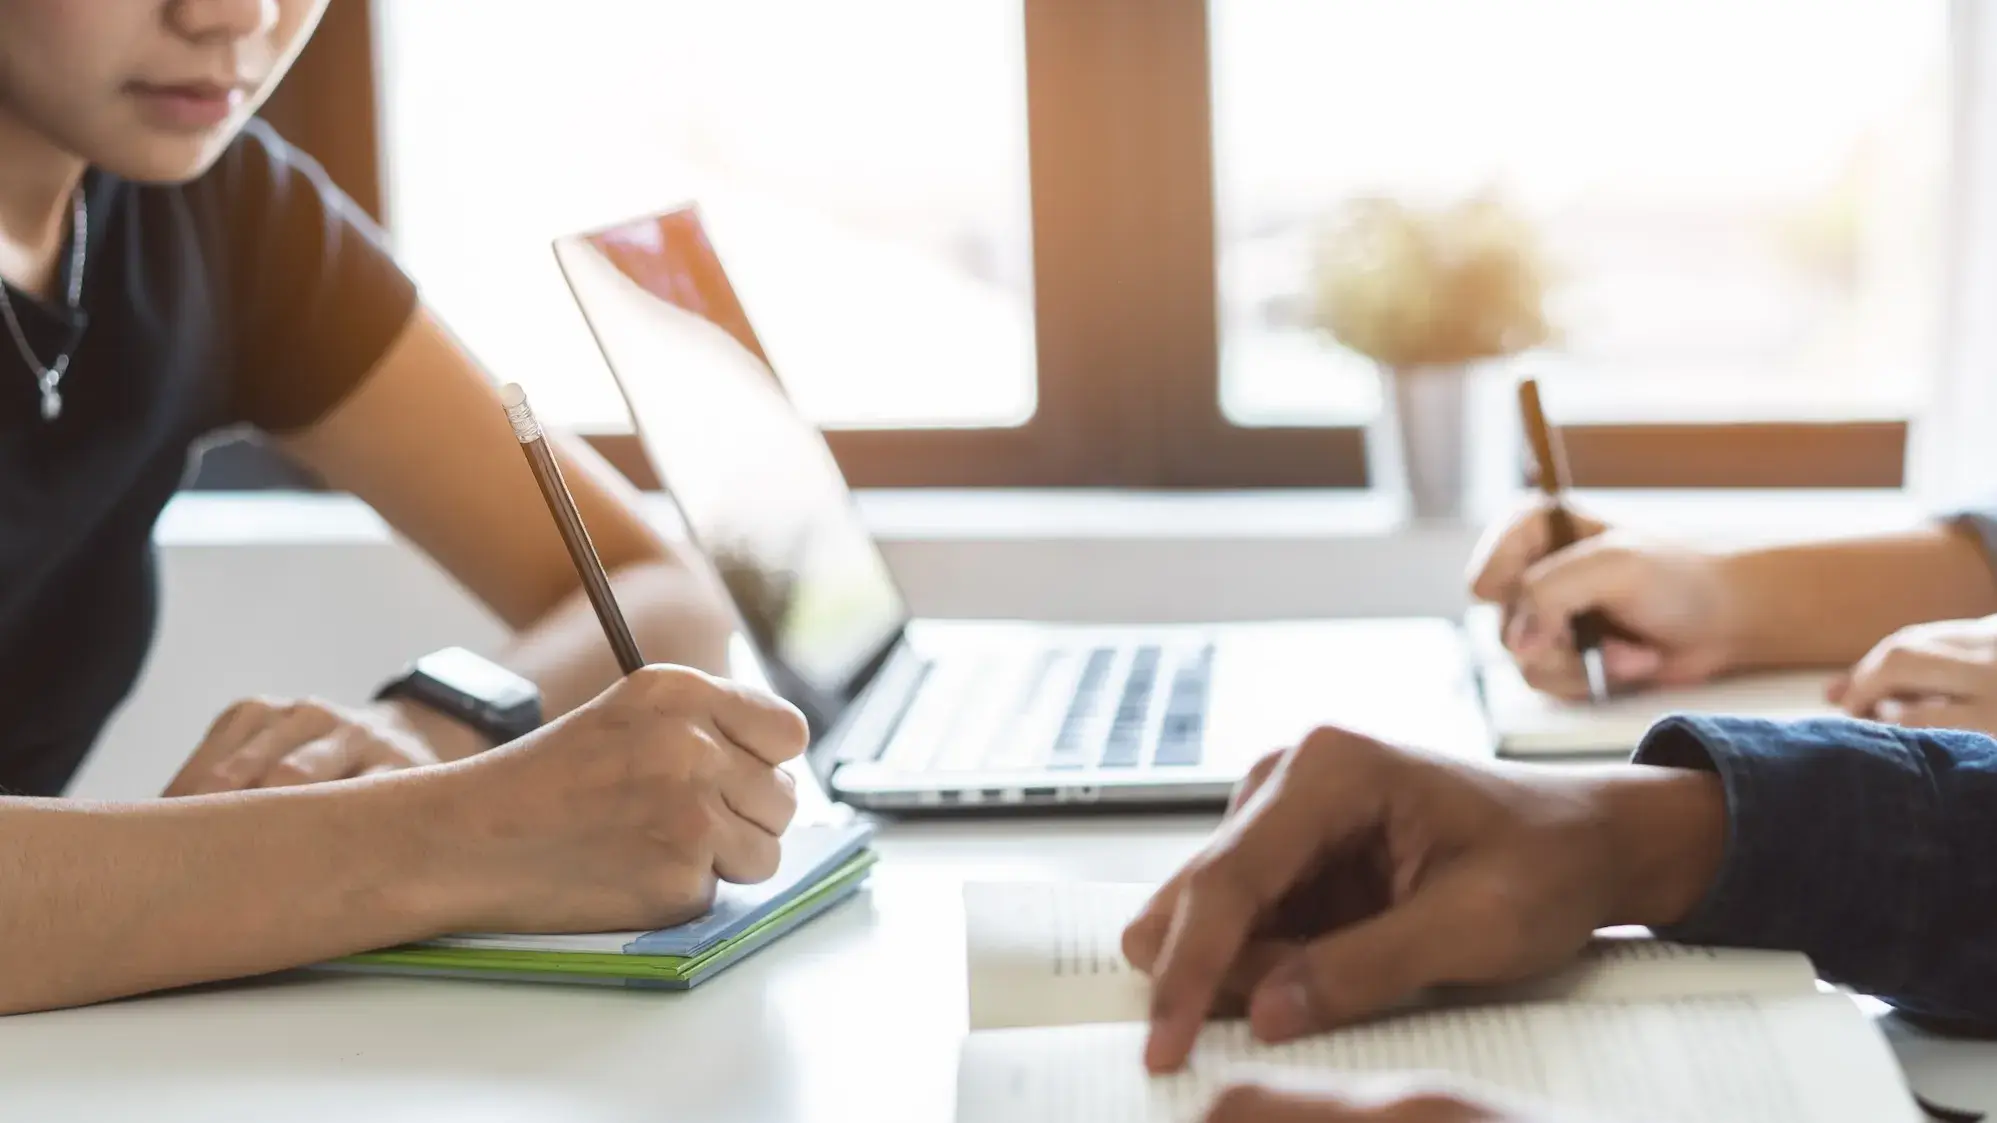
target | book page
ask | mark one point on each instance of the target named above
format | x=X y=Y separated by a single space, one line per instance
x=1808 y=1059
x=585 y=943
x=1529 y=723
x=1628 y=965
x=1050 y=953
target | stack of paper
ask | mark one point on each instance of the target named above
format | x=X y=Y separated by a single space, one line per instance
x=822 y=865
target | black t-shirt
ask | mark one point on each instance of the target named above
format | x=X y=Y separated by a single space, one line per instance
x=256 y=294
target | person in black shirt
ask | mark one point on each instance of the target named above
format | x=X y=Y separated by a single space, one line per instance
x=172 y=268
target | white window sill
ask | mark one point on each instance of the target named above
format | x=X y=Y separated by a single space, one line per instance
x=219 y=519
x=917 y=515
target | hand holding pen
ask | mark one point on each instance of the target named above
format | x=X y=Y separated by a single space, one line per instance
x=1652 y=613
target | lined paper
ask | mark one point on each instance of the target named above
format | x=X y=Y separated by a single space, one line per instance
x=1050 y=953
x=1804 y=1059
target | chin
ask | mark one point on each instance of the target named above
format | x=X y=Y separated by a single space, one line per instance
x=166 y=158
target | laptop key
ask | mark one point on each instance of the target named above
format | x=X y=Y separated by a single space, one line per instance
x=1067 y=751
x=1182 y=735
x=1126 y=732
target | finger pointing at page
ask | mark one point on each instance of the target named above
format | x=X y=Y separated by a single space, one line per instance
x=1281 y=833
x=1488 y=874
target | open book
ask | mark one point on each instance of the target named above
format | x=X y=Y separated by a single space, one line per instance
x=1635 y=1031
x=1528 y=723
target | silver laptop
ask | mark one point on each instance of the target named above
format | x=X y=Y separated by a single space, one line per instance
x=913 y=714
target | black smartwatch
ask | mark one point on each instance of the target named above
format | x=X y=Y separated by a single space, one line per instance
x=471 y=689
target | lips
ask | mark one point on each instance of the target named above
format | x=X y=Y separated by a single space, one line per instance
x=195 y=106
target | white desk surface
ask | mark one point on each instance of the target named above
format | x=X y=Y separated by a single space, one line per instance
x=857 y=1016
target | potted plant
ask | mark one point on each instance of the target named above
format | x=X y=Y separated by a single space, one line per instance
x=1427 y=294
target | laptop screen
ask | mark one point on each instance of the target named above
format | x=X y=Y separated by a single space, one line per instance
x=755 y=481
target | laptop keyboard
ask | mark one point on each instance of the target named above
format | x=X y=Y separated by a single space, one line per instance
x=1113 y=716
x=1070 y=748
x=1133 y=711
x=1062 y=708
x=1183 y=730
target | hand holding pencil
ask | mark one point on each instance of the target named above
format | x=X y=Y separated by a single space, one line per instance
x=679 y=772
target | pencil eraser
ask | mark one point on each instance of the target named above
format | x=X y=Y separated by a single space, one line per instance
x=519 y=414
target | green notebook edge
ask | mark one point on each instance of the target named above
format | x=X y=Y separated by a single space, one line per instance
x=665 y=969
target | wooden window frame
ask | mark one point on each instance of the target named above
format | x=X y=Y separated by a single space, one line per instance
x=1121 y=168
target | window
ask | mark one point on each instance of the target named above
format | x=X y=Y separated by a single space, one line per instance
x=1744 y=199
x=862 y=167
x=974 y=234
x=1056 y=242
x=870 y=199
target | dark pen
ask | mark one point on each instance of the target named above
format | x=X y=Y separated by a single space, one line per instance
x=1551 y=461
x=569 y=521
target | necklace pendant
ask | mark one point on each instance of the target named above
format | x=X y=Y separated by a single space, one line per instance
x=51 y=404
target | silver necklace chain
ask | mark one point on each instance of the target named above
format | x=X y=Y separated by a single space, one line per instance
x=49 y=378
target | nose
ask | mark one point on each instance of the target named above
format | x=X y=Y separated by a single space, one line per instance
x=222 y=21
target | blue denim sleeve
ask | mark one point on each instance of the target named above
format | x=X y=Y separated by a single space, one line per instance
x=1871 y=848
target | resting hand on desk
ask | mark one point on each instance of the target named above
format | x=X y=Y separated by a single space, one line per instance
x=1677 y=601
x=1352 y=874
x=1941 y=675
x=277 y=742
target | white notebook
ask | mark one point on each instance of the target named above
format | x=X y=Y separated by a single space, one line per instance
x=1528 y=723
x=1638 y=1031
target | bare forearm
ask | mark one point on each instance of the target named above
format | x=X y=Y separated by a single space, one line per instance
x=675 y=605
x=676 y=614
x=1827 y=603
x=100 y=900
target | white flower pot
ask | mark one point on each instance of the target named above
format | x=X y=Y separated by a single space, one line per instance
x=1431 y=419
